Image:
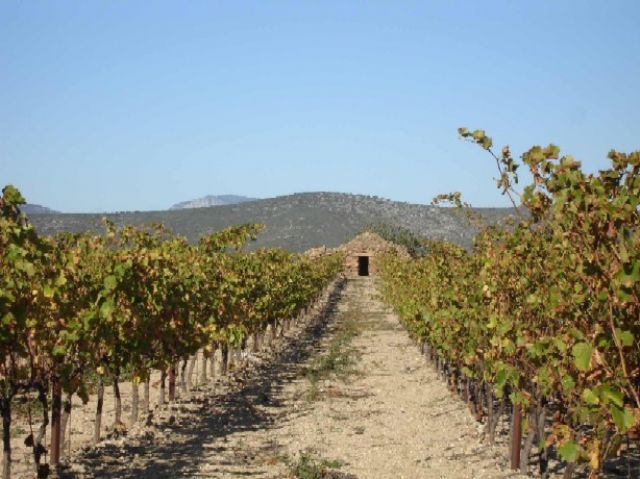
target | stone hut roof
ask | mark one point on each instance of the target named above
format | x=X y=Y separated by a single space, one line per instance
x=369 y=242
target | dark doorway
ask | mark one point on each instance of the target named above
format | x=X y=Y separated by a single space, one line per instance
x=363 y=266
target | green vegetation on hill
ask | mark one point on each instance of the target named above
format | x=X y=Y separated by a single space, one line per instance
x=295 y=222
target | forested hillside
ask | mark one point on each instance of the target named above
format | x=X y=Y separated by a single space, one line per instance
x=296 y=222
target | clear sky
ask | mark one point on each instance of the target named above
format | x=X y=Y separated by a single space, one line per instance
x=135 y=105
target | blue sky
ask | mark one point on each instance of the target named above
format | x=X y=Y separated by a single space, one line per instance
x=123 y=105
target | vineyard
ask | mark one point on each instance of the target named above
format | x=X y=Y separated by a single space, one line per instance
x=541 y=317
x=81 y=311
x=535 y=329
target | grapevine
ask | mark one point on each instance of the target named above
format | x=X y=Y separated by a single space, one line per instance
x=543 y=311
x=135 y=299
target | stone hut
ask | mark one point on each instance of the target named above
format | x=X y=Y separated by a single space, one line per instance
x=361 y=253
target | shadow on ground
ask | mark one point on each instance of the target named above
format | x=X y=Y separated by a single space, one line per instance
x=188 y=450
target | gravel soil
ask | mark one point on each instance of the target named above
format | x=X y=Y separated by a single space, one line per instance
x=385 y=414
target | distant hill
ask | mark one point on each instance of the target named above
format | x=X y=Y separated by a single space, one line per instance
x=296 y=222
x=31 y=209
x=212 y=200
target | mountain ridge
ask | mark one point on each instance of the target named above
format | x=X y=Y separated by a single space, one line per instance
x=296 y=222
x=33 y=209
x=212 y=200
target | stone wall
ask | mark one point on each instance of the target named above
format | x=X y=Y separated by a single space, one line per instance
x=367 y=244
x=351 y=263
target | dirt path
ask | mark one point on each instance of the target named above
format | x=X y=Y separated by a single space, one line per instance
x=394 y=418
x=376 y=409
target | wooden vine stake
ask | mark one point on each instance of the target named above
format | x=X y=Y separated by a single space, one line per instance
x=56 y=410
x=6 y=438
x=516 y=436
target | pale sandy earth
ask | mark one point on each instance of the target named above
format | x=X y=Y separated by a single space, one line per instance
x=392 y=419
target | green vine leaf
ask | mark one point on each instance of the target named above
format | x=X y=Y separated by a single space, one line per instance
x=569 y=451
x=582 y=355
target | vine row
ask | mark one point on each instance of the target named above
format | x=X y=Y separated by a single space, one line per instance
x=82 y=307
x=541 y=317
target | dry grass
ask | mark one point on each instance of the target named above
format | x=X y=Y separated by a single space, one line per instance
x=340 y=358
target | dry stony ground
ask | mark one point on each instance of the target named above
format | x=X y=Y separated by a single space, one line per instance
x=381 y=412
